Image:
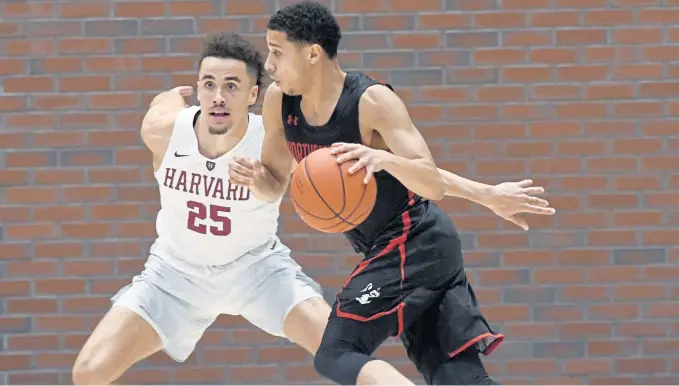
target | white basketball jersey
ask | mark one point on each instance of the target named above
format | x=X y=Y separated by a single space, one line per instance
x=204 y=219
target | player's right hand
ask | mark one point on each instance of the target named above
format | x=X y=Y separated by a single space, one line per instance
x=183 y=90
x=245 y=171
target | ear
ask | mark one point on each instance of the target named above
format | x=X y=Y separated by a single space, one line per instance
x=252 y=98
x=314 y=53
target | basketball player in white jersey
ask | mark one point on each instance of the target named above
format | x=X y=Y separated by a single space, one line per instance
x=217 y=250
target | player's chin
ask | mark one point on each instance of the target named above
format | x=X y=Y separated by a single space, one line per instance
x=219 y=125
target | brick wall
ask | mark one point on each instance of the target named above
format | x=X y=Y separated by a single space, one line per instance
x=578 y=94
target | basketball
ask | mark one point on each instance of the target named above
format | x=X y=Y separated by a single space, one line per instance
x=326 y=197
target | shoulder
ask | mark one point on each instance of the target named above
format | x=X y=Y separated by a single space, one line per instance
x=161 y=116
x=378 y=100
x=187 y=116
x=273 y=95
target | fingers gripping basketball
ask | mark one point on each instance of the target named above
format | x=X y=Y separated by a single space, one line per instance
x=327 y=197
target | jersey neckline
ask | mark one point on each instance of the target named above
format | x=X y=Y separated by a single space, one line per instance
x=195 y=148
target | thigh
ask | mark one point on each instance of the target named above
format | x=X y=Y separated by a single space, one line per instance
x=174 y=305
x=278 y=286
x=135 y=339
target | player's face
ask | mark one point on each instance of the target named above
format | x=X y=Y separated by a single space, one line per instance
x=225 y=92
x=286 y=62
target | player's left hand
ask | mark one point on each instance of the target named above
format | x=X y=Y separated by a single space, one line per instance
x=370 y=159
x=508 y=199
x=244 y=171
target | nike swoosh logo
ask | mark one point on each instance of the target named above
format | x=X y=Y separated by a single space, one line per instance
x=180 y=155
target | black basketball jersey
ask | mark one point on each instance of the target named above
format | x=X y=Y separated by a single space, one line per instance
x=343 y=126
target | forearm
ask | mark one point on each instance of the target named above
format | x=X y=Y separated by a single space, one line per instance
x=269 y=188
x=457 y=186
x=170 y=98
x=420 y=176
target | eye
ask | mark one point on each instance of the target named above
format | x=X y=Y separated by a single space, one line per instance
x=209 y=84
x=231 y=86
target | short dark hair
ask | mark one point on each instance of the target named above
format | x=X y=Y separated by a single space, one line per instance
x=234 y=46
x=308 y=22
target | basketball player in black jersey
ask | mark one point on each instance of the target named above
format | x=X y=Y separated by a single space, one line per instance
x=411 y=282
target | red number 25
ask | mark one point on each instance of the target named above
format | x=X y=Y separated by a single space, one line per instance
x=198 y=213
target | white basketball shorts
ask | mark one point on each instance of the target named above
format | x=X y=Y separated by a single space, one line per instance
x=181 y=301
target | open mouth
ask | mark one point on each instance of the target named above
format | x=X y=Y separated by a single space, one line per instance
x=219 y=114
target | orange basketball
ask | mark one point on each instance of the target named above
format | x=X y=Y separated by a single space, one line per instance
x=327 y=197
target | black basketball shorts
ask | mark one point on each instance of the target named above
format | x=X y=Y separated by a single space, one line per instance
x=414 y=286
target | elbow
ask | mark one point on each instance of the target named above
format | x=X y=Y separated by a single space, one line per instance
x=434 y=194
x=438 y=193
x=438 y=188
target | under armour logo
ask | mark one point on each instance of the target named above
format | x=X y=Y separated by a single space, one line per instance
x=292 y=120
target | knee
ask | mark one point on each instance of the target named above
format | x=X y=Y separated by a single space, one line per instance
x=324 y=361
x=340 y=363
x=90 y=369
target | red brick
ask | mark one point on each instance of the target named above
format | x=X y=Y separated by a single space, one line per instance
x=9 y=361
x=554 y=19
x=639 y=329
x=611 y=17
x=14 y=287
x=416 y=41
x=611 y=347
x=637 y=35
x=191 y=8
x=442 y=20
x=638 y=71
x=532 y=366
x=587 y=366
x=637 y=109
x=32 y=268
x=641 y=365
x=31 y=306
x=139 y=9
x=33 y=342
x=26 y=10
x=77 y=10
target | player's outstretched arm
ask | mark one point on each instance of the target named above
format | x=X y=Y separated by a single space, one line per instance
x=507 y=199
x=267 y=180
x=409 y=159
x=157 y=125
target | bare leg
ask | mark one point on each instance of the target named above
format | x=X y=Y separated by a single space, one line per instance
x=306 y=322
x=378 y=372
x=121 y=339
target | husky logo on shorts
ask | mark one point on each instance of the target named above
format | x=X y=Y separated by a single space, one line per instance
x=210 y=165
x=366 y=297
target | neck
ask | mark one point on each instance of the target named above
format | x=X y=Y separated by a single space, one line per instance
x=325 y=85
x=213 y=146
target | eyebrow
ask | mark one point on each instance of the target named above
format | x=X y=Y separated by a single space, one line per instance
x=231 y=78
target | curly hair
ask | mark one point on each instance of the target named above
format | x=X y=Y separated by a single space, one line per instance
x=234 y=46
x=310 y=23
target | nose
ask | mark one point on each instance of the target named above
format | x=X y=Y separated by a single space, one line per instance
x=218 y=99
x=267 y=65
